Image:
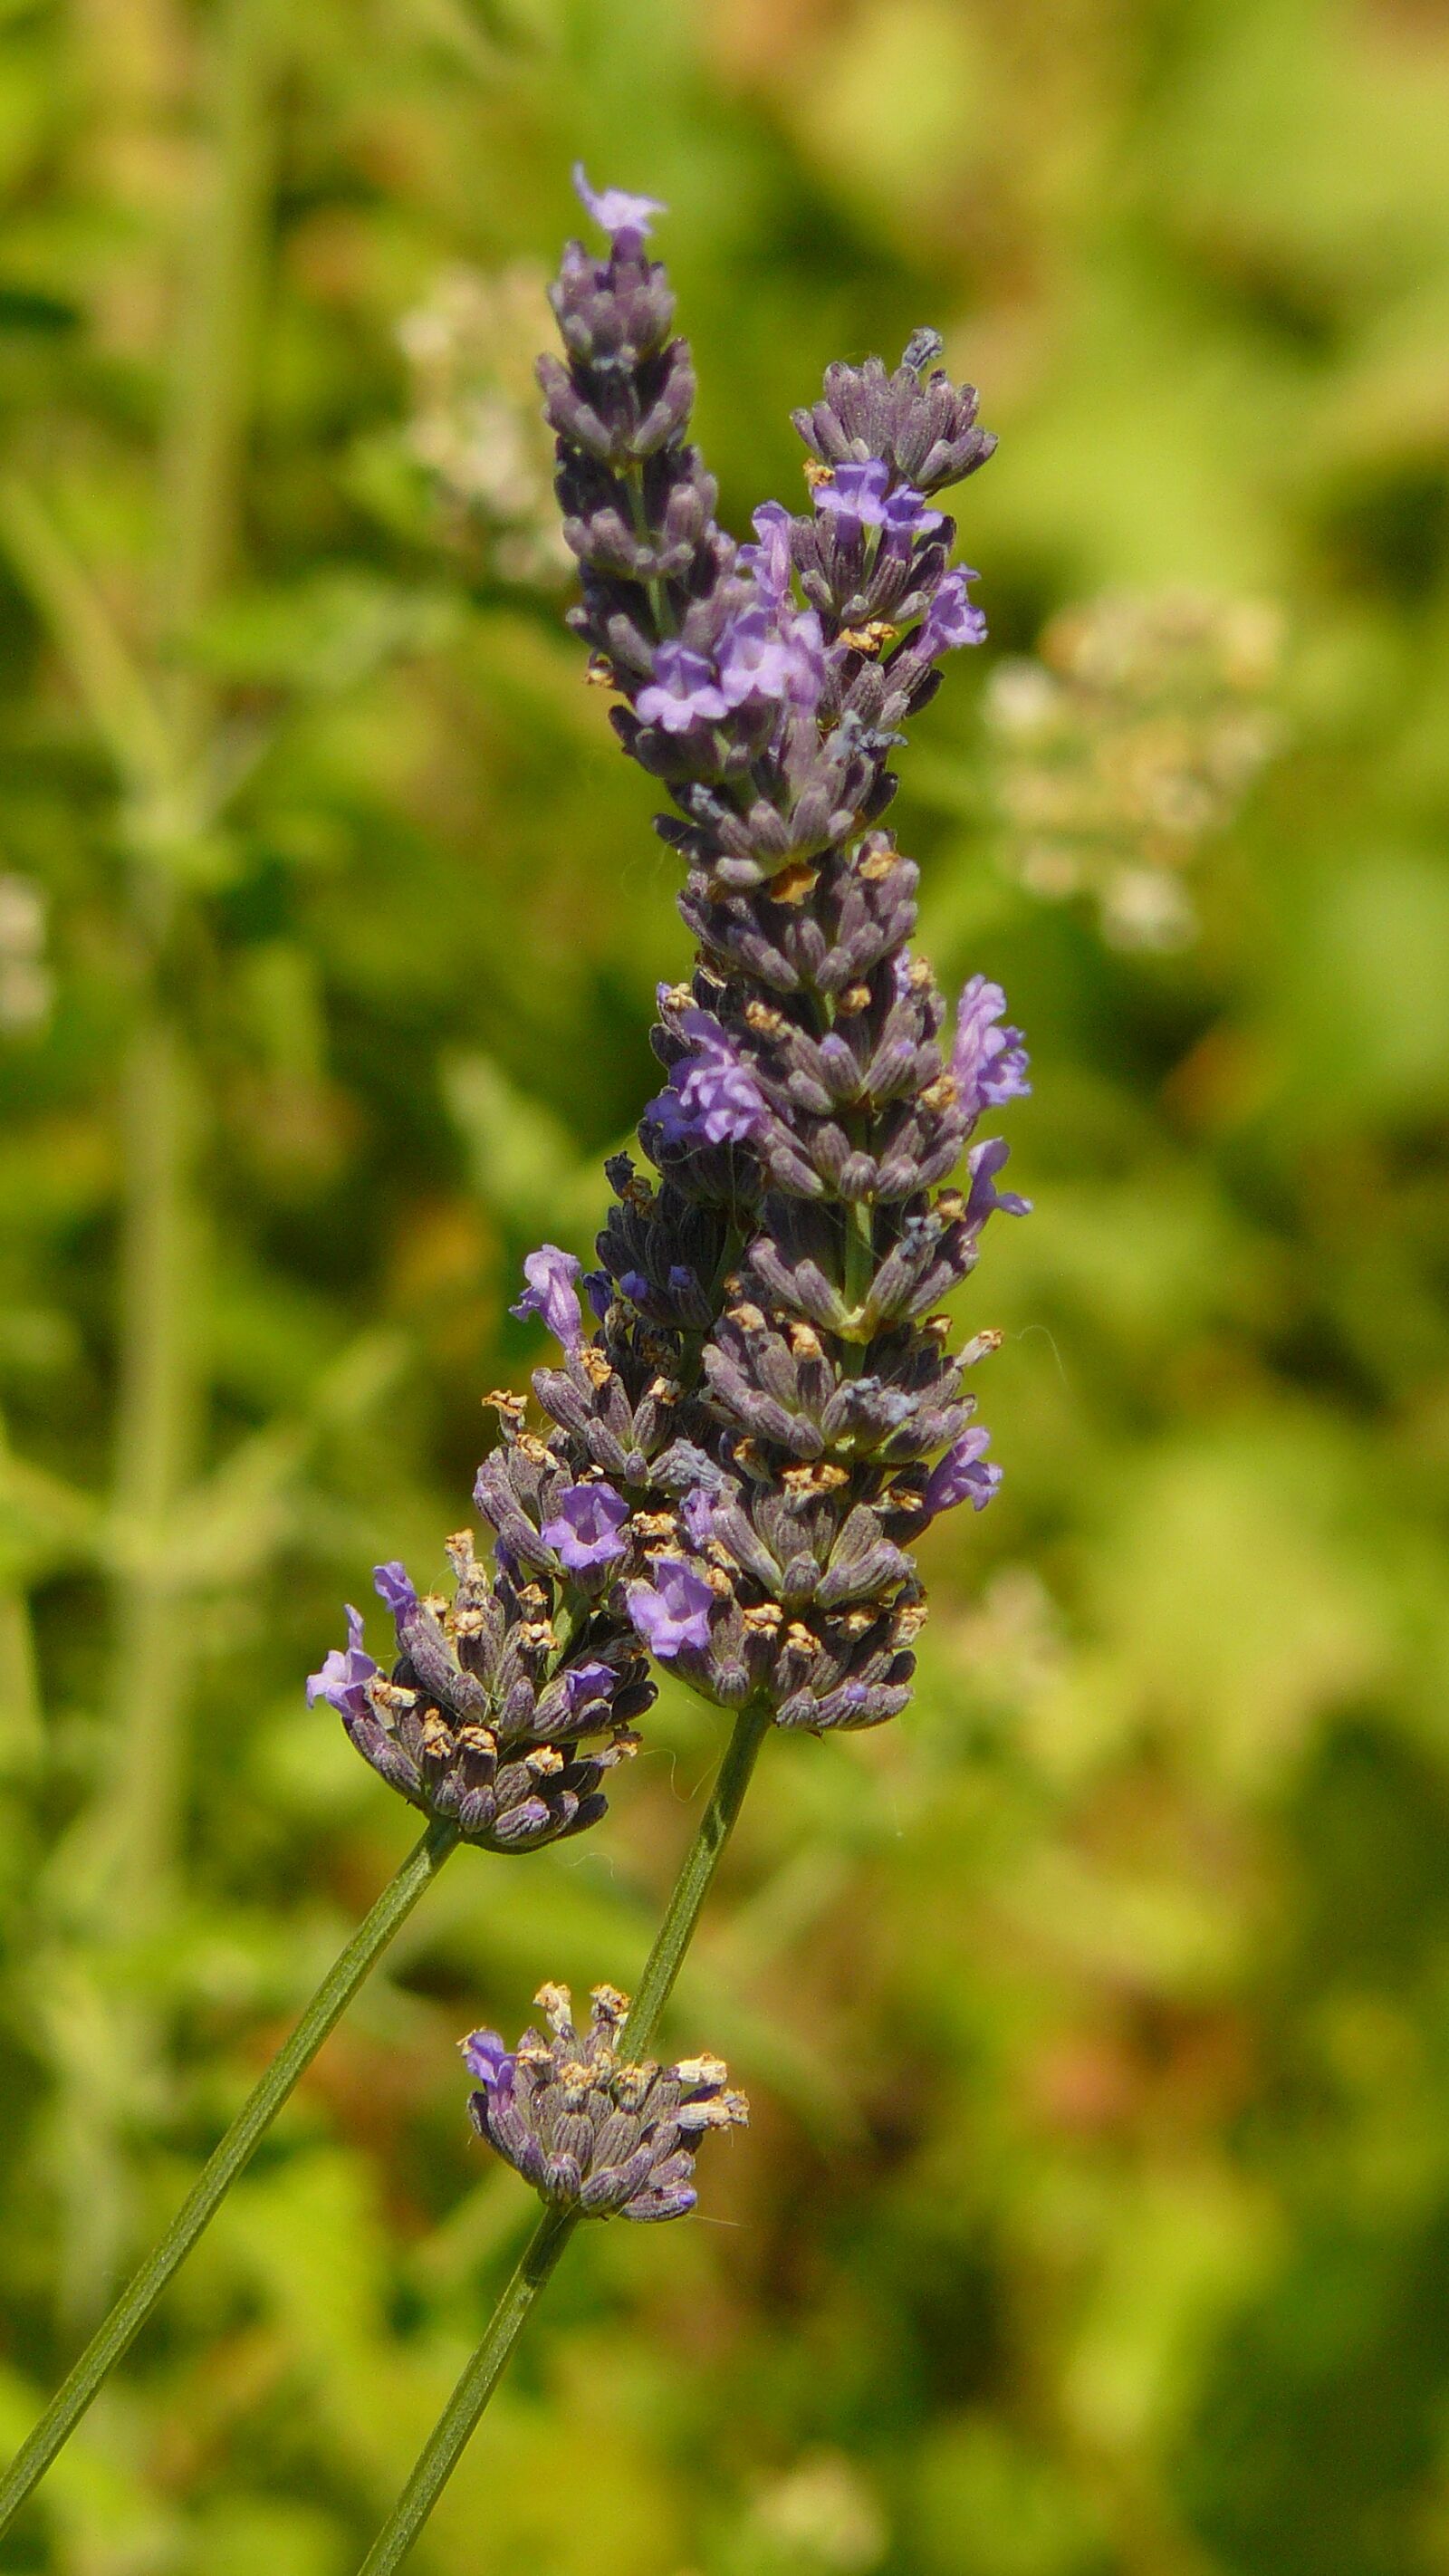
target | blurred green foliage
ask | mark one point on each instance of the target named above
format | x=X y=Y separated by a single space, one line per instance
x=1095 y=2217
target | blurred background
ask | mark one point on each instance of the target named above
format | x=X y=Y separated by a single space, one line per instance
x=1094 y=2220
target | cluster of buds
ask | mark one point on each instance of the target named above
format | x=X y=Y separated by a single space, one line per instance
x=505 y=1707
x=591 y=2131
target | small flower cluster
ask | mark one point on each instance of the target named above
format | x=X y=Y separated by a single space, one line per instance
x=506 y=1706
x=590 y=2131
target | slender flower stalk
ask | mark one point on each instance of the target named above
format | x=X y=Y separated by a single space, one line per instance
x=460 y=2417
x=114 y=2338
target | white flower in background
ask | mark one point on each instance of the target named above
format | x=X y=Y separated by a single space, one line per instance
x=1127 y=745
x=476 y=423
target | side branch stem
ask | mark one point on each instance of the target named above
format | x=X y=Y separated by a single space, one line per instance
x=459 y=2419
x=114 y=2338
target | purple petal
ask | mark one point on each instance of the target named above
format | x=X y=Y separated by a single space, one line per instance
x=551 y=1293
x=393 y=1585
x=624 y=217
x=673 y=1610
x=962 y=1476
x=586 y=1530
x=989 y=1062
x=345 y=1673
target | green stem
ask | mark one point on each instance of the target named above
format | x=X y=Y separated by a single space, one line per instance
x=155 y=1431
x=115 y=2336
x=459 y=2419
x=696 y=1877
x=213 y=384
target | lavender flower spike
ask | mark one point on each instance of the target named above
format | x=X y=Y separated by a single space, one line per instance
x=625 y=218
x=821 y=1187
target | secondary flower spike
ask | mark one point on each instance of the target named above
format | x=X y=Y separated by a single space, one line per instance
x=590 y=2131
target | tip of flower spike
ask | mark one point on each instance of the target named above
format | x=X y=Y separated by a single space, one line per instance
x=623 y=217
x=922 y=349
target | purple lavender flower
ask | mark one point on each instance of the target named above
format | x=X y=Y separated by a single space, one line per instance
x=584 y=1683
x=345 y=1673
x=989 y=1063
x=551 y=1293
x=963 y=1475
x=907 y=515
x=673 y=1610
x=768 y=563
x=952 y=618
x=775 y=1302
x=805 y=672
x=624 y=217
x=682 y=693
x=983 y=1163
x=586 y=1529
x=856 y=494
x=713 y=1098
x=394 y=1585
x=755 y=658
x=486 y=2056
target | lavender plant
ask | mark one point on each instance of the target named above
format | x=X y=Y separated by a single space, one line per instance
x=755 y=1410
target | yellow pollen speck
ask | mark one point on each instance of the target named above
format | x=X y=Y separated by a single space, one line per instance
x=793 y=883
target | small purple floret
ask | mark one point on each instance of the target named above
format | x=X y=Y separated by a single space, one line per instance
x=713 y=1098
x=584 y=1683
x=963 y=1475
x=345 y=1673
x=696 y=1516
x=768 y=563
x=586 y=1529
x=755 y=660
x=907 y=515
x=486 y=2056
x=856 y=493
x=989 y=1062
x=952 y=618
x=673 y=1610
x=625 y=218
x=551 y=1293
x=682 y=693
x=393 y=1585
